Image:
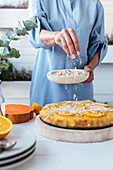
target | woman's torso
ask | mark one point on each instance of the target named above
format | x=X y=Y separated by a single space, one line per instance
x=63 y=14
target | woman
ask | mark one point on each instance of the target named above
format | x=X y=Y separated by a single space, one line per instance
x=66 y=29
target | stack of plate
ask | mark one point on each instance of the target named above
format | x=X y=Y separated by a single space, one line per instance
x=22 y=151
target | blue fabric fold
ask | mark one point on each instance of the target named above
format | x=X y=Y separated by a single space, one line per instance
x=34 y=36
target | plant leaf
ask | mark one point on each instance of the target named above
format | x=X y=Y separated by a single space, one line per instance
x=19 y=31
x=3 y=38
x=1 y=42
x=19 y=25
x=9 y=35
x=9 y=48
x=105 y=102
x=29 y=25
x=15 y=53
x=8 y=56
x=6 y=51
x=25 y=31
x=94 y=100
x=5 y=43
x=16 y=38
x=2 y=65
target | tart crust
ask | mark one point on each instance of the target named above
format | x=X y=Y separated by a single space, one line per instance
x=77 y=114
x=18 y=113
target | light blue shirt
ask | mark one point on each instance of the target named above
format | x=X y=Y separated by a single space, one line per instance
x=86 y=17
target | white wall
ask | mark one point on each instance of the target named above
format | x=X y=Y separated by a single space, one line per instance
x=9 y=19
x=108 y=10
x=103 y=83
x=16 y=92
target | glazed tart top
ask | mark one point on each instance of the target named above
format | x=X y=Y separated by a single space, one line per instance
x=77 y=108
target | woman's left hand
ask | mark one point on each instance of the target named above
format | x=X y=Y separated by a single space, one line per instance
x=91 y=65
x=91 y=74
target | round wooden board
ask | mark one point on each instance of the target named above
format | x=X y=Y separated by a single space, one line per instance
x=75 y=136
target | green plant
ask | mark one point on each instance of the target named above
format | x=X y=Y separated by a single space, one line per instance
x=6 y=51
x=94 y=100
x=12 y=74
x=105 y=102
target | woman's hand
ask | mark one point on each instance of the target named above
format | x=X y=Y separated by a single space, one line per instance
x=68 y=40
x=91 y=65
x=91 y=74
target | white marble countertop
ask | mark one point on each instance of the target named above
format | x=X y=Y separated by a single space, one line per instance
x=54 y=155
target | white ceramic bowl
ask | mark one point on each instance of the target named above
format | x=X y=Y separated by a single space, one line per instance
x=77 y=76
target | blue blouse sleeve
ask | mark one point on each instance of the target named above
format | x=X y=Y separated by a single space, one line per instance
x=97 y=36
x=35 y=10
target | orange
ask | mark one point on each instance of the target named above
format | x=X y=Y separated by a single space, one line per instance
x=5 y=126
x=66 y=114
x=36 y=107
x=96 y=115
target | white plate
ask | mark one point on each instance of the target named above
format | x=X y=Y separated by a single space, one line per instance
x=25 y=139
x=17 y=163
x=16 y=158
x=77 y=78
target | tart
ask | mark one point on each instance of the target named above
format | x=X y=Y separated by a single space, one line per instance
x=19 y=113
x=77 y=114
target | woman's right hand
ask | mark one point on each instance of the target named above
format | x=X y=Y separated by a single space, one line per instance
x=68 y=40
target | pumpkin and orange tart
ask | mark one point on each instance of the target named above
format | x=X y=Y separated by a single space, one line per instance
x=77 y=114
x=19 y=113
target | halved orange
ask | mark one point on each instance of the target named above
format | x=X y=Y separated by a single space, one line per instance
x=5 y=126
x=36 y=107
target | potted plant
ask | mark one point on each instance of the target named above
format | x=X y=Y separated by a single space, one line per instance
x=6 y=51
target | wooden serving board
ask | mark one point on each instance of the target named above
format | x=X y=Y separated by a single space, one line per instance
x=72 y=135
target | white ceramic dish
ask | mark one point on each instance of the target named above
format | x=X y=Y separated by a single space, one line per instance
x=78 y=76
x=16 y=158
x=17 y=163
x=25 y=140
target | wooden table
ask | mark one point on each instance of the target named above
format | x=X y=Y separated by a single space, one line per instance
x=53 y=155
